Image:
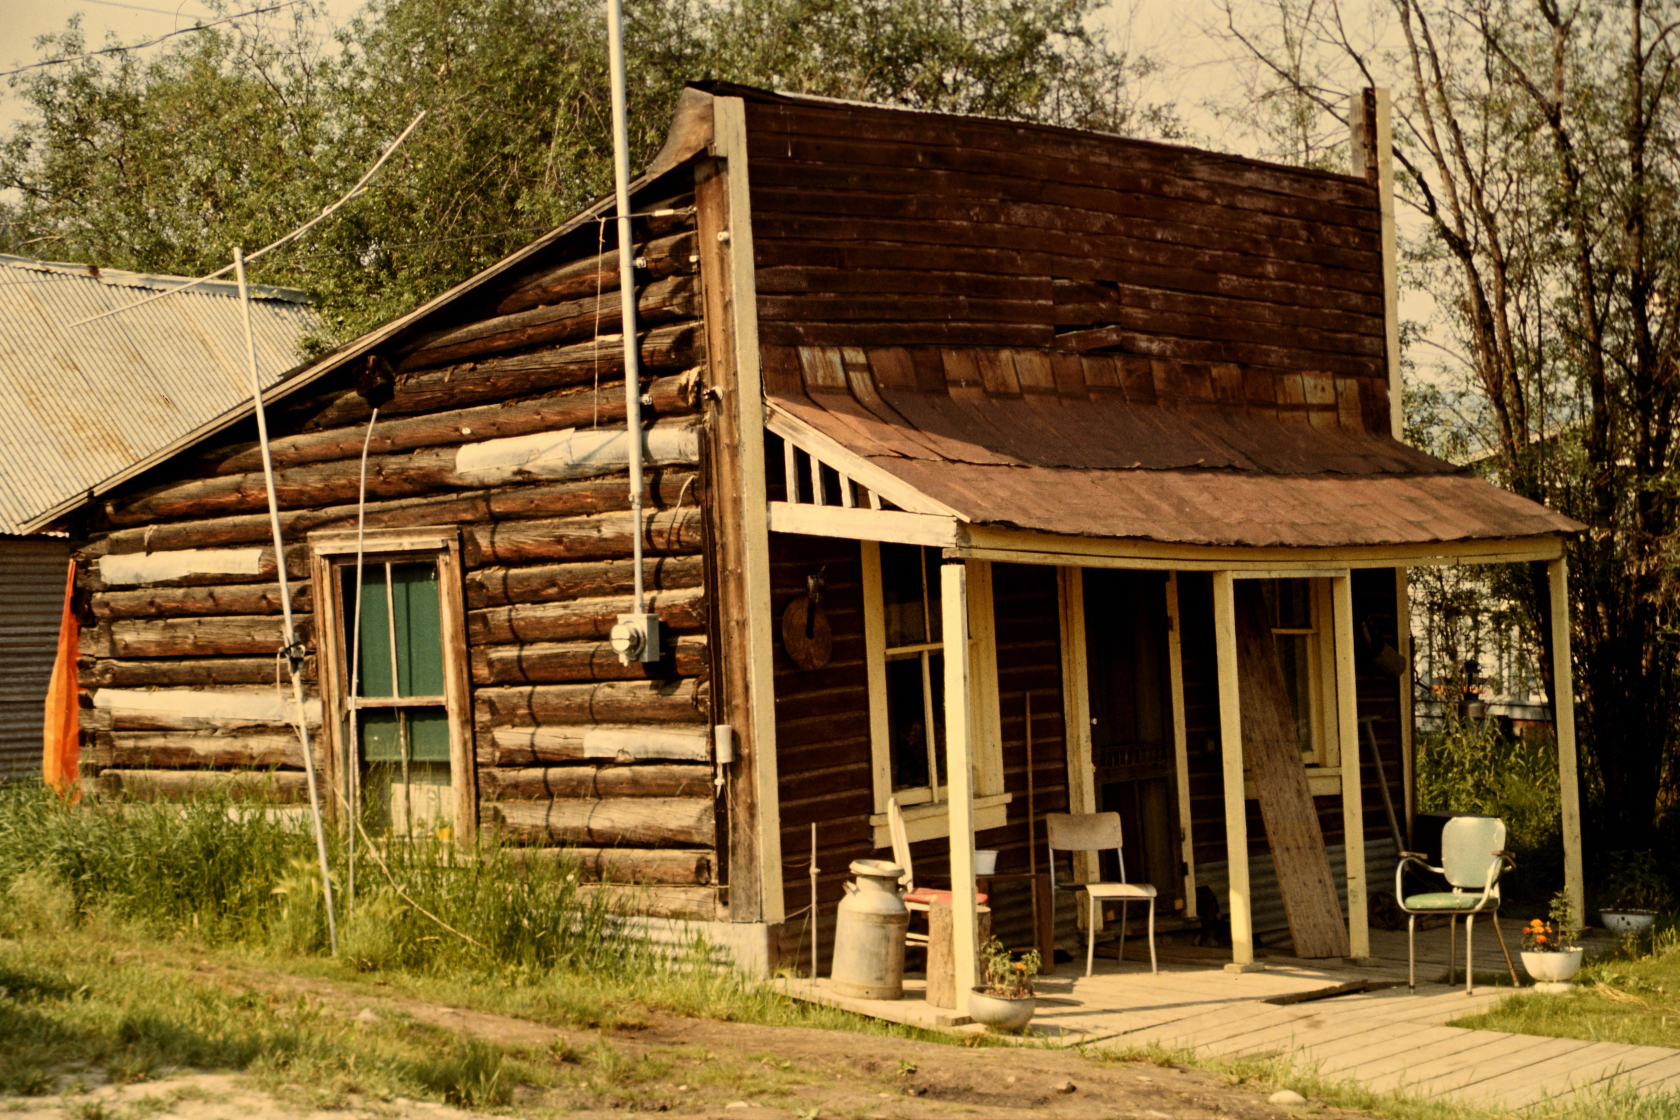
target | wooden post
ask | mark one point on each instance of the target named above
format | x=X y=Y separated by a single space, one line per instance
x=1230 y=736
x=959 y=776
x=1181 y=742
x=744 y=697
x=1347 y=735
x=1076 y=711
x=1563 y=711
x=1371 y=119
x=1403 y=641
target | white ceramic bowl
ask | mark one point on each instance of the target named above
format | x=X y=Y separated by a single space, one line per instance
x=1628 y=921
x=1001 y=1014
x=1553 y=968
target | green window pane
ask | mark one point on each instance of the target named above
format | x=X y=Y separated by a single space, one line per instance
x=428 y=735
x=413 y=598
x=381 y=741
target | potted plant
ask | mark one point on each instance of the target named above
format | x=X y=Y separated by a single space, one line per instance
x=1634 y=891
x=1005 y=1001
x=1549 y=952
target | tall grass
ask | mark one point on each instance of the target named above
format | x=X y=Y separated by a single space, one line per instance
x=237 y=873
x=1469 y=766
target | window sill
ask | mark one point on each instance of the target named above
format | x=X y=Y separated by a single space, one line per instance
x=1321 y=782
x=931 y=820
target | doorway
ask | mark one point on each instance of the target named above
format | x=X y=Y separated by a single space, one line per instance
x=1129 y=694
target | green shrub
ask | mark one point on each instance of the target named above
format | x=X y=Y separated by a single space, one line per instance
x=1470 y=767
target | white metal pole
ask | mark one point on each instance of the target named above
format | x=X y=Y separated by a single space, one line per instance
x=285 y=598
x=627 y=283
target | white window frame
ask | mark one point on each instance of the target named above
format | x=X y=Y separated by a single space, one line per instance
x=926 y=815
x=1323 y=757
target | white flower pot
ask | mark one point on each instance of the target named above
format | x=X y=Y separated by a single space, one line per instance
x=1553 y=968
x=999 y=1013
x=1628 y=921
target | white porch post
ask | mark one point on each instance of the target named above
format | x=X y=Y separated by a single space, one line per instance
x=959 y=777
x=1230 y=735
x=1563 y=710
x=1347 y=735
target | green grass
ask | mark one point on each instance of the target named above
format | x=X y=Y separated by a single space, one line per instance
x=1631 y=995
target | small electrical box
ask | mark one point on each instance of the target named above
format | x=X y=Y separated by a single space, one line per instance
x=636 y=638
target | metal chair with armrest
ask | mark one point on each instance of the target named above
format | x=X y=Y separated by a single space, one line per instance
x=1472 y=857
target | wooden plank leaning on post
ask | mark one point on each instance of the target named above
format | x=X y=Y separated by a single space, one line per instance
x=1181 y=741
x=959 y=770
x=1347 y=735
x=1230 y=738
x=1563 y=711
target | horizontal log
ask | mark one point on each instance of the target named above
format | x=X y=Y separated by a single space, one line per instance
x=543 y=499
x=643 y=822
x=553 y=583
x=681 y=612
x=194 y=709
x=599 y=362
x=546 y=783
x=551 y=454
x=548 y=662
x=191 y=567
x=282 y=786
x=112 y=673
x=196 y=751
x=195 y=602
x=228 y=636
x=667 y=256
x=602 y=537
x=677 y=866
x=675 y=297
x=691 y=904
x=573 y=408
x=678 y=701
x=530 y=746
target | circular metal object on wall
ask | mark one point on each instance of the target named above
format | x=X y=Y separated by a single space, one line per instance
x=806 y=634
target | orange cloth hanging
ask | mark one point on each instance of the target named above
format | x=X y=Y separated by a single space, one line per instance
x=61 y=748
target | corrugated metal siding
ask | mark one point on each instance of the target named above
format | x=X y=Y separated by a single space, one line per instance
x=80 y=404
x=31 y=599
x=1271 y=924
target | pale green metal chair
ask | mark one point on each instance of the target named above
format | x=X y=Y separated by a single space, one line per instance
x=1472 y=857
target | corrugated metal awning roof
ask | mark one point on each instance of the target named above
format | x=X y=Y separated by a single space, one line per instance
x=79 y=405
x=1087 y=446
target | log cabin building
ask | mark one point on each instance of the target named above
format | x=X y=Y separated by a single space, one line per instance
x=1114 y=419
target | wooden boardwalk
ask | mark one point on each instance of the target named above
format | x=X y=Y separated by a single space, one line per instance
x=1385 y=1038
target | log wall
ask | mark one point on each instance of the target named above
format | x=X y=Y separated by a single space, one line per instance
x=179 y=589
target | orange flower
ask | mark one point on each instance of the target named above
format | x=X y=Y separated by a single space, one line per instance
x=1540 y=937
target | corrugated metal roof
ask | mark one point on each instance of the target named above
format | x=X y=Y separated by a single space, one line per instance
x=1028 y=440
x=79 y=405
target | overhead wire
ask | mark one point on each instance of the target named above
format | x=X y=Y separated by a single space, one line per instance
x=149 y=42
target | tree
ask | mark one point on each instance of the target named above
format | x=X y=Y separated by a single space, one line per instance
x=1536 y=141
x=238 y=133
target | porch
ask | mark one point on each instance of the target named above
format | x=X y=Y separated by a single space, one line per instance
x=1382 y=1037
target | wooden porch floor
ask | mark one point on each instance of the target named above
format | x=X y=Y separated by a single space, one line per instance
x=1385 y=1038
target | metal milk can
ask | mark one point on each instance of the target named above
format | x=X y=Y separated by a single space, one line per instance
x=869 y=937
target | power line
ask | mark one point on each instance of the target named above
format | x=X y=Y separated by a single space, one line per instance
x=148 y=42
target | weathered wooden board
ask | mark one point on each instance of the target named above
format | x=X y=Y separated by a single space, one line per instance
x=534 y=746
x=643 y=822
x=546 y=783
x=611 y=702
x=556 y=584
x=552 y=662
x=1273 y=753
x=285 y=786
x=681 y=611
x=675 y=866
x=195 y=750
x=601 y=537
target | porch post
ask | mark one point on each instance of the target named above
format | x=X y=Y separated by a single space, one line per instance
x=959 y=778
x=1181 y=742
x=1563 y=711
x=1230 y=736
x=1347 y=735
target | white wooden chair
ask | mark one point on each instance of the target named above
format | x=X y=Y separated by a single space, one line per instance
x=1472 y=857
x=915 y=901
x=1097 y=832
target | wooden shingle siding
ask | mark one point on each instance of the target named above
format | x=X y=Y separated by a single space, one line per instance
x=545 y=552
x=882 y=228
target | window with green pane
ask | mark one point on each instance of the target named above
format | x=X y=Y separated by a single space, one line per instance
x=398 y=703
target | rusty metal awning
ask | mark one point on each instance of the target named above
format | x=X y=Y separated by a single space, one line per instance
x=1085 y=446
